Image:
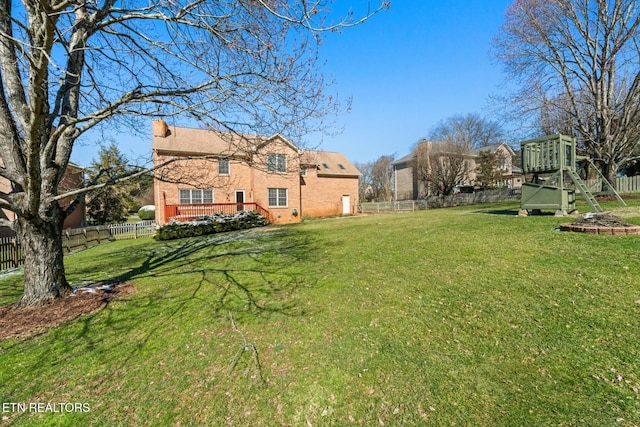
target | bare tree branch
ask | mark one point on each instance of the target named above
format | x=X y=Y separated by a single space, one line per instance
x=69 y=66
x=441 y=165
x=576 y=62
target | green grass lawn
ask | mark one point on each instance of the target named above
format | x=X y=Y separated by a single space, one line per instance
x=467 y=316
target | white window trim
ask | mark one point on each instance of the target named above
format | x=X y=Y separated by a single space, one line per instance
x=191 y=190
x=278 y=190
x=277 y=166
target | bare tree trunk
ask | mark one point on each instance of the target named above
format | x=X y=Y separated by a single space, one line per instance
x=610 y=171
x=67 y=68
x=43 y=260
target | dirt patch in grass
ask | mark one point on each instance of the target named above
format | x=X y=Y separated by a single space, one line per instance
x=30 y=321
x=604 y=219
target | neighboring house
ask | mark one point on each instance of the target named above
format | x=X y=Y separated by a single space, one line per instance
x=512 y=174
x=409 y=187
x=406 y=183
x=211 y=171
x=73 y=179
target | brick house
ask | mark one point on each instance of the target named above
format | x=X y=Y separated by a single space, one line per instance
x=213 y=171
x=72 y=179
x=408 y=187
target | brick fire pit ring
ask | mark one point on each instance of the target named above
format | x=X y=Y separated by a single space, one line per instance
x=594 y=229
x=602 y=223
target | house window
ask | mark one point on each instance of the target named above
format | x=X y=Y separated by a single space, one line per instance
x=277 y=197
x=195 y=196
x=303 y=171
x=503 y=164
x=223 y=166
x=276 y=163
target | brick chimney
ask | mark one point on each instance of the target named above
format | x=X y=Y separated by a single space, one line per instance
x=159 y=128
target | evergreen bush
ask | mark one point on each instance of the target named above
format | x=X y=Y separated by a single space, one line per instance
x=210 y=224
x=147 y=213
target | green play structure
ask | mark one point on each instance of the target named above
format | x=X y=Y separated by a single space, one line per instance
x=551 y=178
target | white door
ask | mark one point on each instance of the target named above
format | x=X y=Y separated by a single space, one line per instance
x=346 y=205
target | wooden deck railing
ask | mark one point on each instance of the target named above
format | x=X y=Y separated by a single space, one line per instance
x=187 y=212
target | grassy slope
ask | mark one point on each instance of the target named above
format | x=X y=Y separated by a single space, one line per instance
x=450 y=316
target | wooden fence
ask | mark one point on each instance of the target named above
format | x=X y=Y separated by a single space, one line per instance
x=132 y=231
x=383 y=207
x=10 y=253
x=76 y=239
x=628 y=184
x=460 y=199
x=625 y=184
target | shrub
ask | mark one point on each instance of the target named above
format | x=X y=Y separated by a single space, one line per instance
x=147 y=213
x=210 y=224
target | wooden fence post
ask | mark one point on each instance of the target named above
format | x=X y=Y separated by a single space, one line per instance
x=14 y=252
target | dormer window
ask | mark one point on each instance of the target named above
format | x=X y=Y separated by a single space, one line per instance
x=276 y=163
x=326 y=166
x=341 y=166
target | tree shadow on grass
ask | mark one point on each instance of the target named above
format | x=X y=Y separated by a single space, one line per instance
x=246 y=276
x=250 y=274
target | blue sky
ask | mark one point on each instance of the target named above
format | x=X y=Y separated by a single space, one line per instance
x=406 y=69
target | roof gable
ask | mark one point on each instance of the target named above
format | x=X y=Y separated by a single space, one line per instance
x=203 y=142
x=494 y=148
x=191 y=141
x=278 y=138
x=406 y=159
